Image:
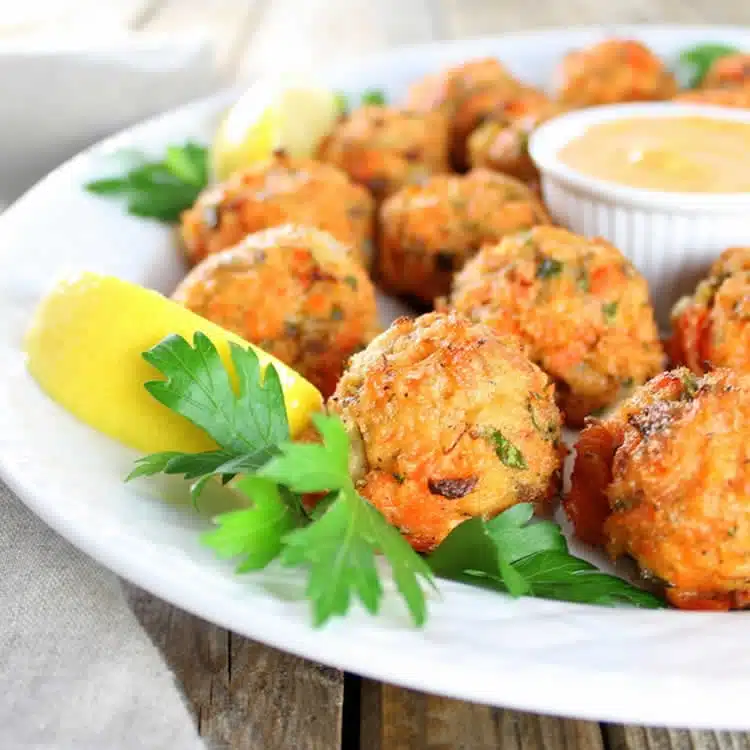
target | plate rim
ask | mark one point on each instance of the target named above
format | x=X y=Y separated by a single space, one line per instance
x=525 y=693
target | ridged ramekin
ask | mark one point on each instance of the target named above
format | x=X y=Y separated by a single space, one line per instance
x=671 y=237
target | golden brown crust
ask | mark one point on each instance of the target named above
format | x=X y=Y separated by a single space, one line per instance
x=465 y=94
x=729 y=71
x=501 y=142
x=384 y=148
x=615 y=70
x=578 y=306
x=737 y=97
x=428 y=232
x=279 y=191
x=295 y=292
x=711 y=328
x=431 y=406
x=667 y=479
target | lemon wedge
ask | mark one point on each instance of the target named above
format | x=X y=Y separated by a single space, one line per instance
x=286 y=112
x=84 y=349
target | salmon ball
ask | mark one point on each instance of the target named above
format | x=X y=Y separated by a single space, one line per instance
x=737 y=97
x=615 y=70
x=711 y=328
x=728 y=71
x=578 y=306
x=448 y=421
x=282 y=190
x=665 y=479
x=465 y=94
x=501 y=142
x=384 y=148
x=427 y=232
x=293 y=291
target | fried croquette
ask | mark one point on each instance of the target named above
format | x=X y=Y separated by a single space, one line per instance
x=612 y=71
x=427 y=232
x=578 y=306
x=501 y=142
x=293 y=291
x=711 y=328
x=448 y=421
x=465 y=94
x=729 y=71
x=666 y=480
x=384 y=148
x=280 y=191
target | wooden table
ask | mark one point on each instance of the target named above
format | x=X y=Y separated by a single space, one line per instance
x=250 y=697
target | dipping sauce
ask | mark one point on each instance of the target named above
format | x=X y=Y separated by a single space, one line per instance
x=677 y=154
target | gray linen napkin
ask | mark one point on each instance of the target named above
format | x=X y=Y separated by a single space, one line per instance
x=77 y=671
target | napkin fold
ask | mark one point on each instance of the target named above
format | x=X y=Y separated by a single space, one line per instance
x=77 y=672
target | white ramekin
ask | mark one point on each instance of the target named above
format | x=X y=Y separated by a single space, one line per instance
x=671 y=237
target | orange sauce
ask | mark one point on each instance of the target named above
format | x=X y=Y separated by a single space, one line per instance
x=690 y=154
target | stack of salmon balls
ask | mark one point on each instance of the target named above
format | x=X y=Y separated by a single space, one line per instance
x=527 y=327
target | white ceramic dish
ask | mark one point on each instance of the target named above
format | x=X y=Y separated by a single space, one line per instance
x=626 y=665
x=671 y=237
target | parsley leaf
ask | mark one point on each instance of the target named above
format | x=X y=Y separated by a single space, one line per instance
x=513 y=554
x=507 y=452
x=159 y=189
x=560 y=576
x=255 y=534
x=469 y=553
x=374 y=98
x=198 y=387
x=514 y=533
x=695 y=62
x=339 y=547
x=248 y=425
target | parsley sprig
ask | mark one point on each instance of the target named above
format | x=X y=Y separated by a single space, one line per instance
x=528 y=558
x=694 y=63
x=337 y=542
x=160 y=189
x=340 y=546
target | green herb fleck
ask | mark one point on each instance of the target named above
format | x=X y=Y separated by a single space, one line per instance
x=609 y=311
x=351 y=281
x=548 y=268
x=337 y=313
x=507 y=452
x=399 y=478
x=342 y=103
x=689 y=384
x=374 y=98
x=583 y=282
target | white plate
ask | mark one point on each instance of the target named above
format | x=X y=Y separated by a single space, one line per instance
x=626 y=665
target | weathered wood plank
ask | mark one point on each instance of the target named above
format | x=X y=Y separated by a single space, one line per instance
x=398 y=719
x=245 y=696
x=642 y=738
